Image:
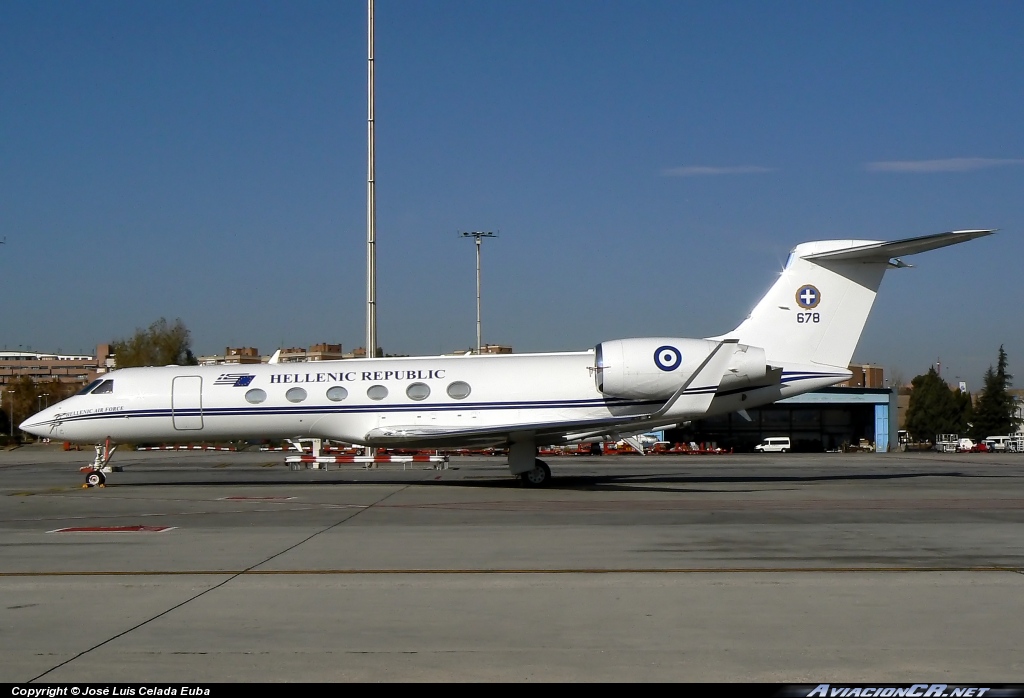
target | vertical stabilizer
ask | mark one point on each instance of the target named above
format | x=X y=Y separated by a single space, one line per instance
x=817 y=309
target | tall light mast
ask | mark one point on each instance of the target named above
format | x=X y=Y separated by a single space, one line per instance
x=478 y=235
x=371 y=204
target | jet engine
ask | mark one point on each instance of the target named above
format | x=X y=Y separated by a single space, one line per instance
x=654 y=368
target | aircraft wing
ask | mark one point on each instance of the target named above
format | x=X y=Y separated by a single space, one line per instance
x=497 y=434
x=884 y=251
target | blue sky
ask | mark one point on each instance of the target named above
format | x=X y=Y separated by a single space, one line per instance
x=648 y=165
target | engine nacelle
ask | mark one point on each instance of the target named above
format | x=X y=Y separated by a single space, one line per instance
x=653 y=368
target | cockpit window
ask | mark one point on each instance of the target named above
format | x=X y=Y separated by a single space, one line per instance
x=104 y=387
x=89 y=387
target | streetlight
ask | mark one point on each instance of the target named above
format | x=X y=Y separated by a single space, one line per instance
x=40 y=397
x=12 y=413
x=478 y=235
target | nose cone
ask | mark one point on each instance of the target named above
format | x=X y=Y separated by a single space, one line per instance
x=38 y=424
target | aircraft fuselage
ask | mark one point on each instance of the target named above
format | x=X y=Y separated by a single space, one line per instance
x=390 y=401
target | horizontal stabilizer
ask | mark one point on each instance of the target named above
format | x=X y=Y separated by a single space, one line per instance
x=884 y=251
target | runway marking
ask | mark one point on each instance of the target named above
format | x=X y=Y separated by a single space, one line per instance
x=513 y=571
x=258 y=499
x=297 y=507
x=114 y=529
x=702 y=504
x=229 y=577
x=51 y=490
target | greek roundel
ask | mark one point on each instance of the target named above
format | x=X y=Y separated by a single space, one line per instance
x=667 y=358
x=808 y=297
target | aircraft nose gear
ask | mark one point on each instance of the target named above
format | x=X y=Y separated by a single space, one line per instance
x=540 y=476
x=95 y=479
x=95 y=473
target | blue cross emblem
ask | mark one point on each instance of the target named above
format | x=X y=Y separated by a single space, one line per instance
x=808 y=296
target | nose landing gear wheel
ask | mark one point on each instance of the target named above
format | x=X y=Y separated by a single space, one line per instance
x=95 y=479
x=540 y=476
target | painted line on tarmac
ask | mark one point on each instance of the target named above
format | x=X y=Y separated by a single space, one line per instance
x=270 y=498
x=511 y=571
x=276 y=509
x=731 y=505
x=115 y=529
x=227 y=578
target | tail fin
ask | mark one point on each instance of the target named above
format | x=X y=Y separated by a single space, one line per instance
x=816 y=311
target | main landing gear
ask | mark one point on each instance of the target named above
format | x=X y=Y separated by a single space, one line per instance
x=524 y=464
x=95 y=474
x=540 y=476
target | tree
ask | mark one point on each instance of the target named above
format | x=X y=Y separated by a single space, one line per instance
x=935 y=408
x=162 y=344
x=29 y=397
x=24 y=399
x=995 y=414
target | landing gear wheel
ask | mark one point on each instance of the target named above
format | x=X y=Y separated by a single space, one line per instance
x=540 y=476
x=95 y=479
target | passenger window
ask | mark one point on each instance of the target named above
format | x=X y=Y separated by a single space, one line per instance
x=104 y=388
x=337 y=393
x=86 y=389
x=295 y=395
x=418 y=391
x=377 y=392
x=459 y=390
x=256 y=396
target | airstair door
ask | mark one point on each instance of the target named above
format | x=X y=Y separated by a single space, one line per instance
x=187 y=403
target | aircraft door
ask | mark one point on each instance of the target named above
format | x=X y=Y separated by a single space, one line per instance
x=187 y=403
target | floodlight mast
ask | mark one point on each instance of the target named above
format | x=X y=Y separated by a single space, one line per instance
x=371 y=202
x=478 y=235
x=11 y=393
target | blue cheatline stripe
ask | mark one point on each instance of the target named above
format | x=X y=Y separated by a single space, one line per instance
x=255 y=410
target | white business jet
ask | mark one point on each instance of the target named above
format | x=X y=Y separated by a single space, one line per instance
x=800 y=337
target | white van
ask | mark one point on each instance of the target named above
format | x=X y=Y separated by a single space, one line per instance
x=997 y=443
x=774 y=444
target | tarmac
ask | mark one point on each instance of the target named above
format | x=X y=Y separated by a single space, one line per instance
x=792 y=568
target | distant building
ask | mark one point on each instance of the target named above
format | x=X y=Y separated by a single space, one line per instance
x=251 y=355
x=324 y=352
x=865 y=376
x=43 y=367
x=233 y=355
x=485 y=349
x=829 y=419
x=291 y=355
x=1018 y=401
x=317 y=352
